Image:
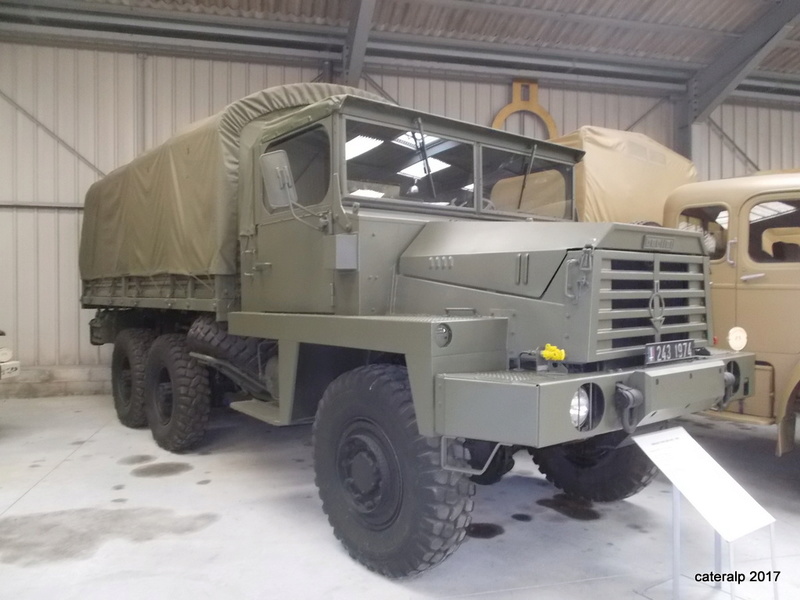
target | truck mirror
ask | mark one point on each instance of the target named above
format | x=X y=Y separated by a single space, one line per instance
x=278 y=180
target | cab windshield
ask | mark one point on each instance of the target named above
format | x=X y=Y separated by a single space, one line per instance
x=419 y=166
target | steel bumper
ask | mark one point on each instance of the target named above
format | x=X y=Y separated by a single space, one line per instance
x=532 y=408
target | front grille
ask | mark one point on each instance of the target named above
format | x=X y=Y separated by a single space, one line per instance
x=628 y=283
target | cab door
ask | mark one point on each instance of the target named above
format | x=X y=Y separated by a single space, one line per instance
x=283 y=266
x=768 y=286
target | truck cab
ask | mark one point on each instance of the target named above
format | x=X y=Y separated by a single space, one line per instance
x=751 y=229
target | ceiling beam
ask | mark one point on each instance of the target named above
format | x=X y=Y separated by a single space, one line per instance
x=572 y=17
x=738 y=58
x=355 y=45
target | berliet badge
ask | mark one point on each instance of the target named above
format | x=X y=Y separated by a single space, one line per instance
x=657 y=308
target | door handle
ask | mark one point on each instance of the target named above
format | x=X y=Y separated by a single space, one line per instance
x=751 y=276
x=729 y=253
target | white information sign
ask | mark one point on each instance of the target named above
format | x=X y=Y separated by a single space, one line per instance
x=721 y=501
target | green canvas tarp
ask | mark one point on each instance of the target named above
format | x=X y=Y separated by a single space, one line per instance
x=173 y=210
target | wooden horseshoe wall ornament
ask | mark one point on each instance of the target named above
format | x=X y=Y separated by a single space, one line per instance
x=525 y=98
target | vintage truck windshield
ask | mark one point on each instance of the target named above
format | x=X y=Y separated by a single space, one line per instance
x=416 y=165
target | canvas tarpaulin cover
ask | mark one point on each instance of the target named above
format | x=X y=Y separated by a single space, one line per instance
x=173 y=209
x=624 y=176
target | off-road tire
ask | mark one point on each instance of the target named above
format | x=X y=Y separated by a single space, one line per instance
x=598 y=469
x=127 y=375
x=177 y=394
x=382 y=485
x=211 y=337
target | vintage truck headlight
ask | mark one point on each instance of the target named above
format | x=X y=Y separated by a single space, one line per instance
x=586 y=407
x=579 y=408
x=5 y=354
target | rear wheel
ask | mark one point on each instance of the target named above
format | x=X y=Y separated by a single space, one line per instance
x=381 y=483
x=177 y=394
x=127 y=375
x=602 y=469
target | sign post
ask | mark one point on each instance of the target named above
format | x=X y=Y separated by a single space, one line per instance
x=719 y=499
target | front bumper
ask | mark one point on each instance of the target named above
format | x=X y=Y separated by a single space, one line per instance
x=531 y=408
x=9 y=369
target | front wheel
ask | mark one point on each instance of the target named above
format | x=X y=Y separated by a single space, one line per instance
x=381 y=483
x=177 y=396
x=605 y=468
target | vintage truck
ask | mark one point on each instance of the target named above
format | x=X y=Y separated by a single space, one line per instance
x=751 y=226
x=343 y=260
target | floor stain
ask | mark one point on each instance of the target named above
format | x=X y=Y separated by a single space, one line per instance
x=569 y=506
x=120 y=500
x=119 y=486
x=637 y=527
x=42 y=538
x=136 y=459
x=204 y=482
x=34 y=466
x=484 y=531
x=162 y=469
x=522 y=517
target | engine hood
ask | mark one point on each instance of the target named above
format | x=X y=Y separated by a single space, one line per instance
x=521 y=258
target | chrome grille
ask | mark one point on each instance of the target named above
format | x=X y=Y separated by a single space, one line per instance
x=628 y=285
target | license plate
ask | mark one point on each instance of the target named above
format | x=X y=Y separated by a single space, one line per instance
x=9 y=369
x=662 y=352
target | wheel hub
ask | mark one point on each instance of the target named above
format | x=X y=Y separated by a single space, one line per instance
x=369 y=472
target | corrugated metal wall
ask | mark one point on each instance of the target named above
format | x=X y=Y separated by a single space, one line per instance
x=741 y=140
x=67 y=116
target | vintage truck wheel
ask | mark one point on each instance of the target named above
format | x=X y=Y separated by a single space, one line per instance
x=177 y=394
x=381 y=483
x=127 y=375
x=598 y=469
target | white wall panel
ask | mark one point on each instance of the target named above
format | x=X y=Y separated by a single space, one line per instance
x=742 y=139
x=66 y=117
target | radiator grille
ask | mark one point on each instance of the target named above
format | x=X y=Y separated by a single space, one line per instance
x=636 y=287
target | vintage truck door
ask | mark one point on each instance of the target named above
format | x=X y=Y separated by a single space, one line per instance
x=768 y=288
x=286 y=269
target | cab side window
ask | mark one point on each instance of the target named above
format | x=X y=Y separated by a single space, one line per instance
x=712 y=222
x=309 y=156
x=774 y=231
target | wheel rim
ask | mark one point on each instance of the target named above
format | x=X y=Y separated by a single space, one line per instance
x=369 y=471
x=125 y=382
x=164 y=397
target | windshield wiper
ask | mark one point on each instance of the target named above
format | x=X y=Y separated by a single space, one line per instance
x=422 y=148
x=531 y=158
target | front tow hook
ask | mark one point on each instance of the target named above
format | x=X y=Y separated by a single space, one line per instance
x=628 y=400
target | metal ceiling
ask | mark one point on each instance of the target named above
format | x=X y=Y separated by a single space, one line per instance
x=701 y=52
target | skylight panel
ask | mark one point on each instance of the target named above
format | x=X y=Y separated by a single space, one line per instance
x=407 y=140
x=417 y=170
x=359 y=145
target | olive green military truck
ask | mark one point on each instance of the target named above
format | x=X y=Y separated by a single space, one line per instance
x=342 y=260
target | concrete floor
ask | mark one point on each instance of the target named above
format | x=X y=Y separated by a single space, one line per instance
x=90 y=509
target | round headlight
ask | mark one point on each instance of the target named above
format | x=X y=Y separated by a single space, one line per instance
x=579 y=408
x=587 y=407
x=737 y=339
x=5 y=354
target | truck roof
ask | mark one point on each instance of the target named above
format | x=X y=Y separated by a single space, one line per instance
x=733 y=192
